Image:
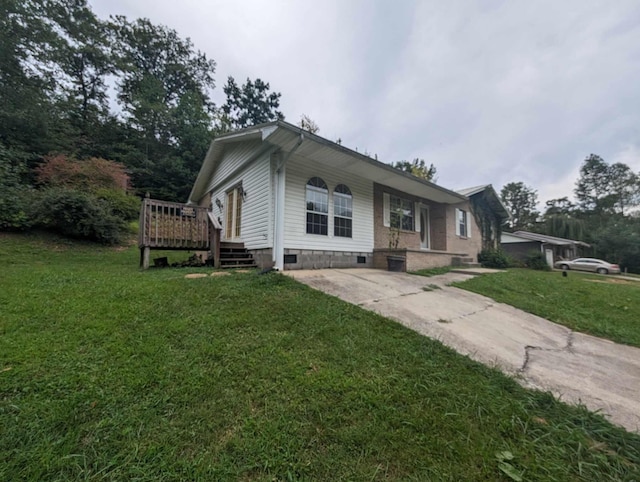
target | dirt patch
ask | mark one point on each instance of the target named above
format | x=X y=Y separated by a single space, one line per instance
x=195 y=275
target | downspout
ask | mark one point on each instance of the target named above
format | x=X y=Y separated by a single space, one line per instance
x=278 y=228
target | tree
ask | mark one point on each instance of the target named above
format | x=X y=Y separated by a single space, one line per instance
x=26 y=86
x=418 y=168
x=521 y=202
x=561 y=219
x=308 y=124
x=165 y=94
x=250 y=104
x=83 y=55
x=560 y=205
x=606 y=189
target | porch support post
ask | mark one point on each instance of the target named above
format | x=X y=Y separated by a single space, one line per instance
x=278 y=245
x=278 y=228
x=144 y=257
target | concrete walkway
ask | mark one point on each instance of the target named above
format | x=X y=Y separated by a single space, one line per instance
x=578 y=368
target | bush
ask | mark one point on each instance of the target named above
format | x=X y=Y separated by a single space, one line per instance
x=14 y=193
x=79 y=215
x=493 y=258
x=120 y=203
x=537 y=260
x=86 y=175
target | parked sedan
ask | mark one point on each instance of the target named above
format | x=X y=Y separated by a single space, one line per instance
x=589 y=264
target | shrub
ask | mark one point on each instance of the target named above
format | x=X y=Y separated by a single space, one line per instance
x=537 y=260
x=87 y=175
x=14 y=193
x=120 y=203
x=79 y=215
x=493 y=258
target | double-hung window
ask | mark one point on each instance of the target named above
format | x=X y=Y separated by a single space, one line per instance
x=317 y=197
x=401 y=213
x=462 y=223
x=342 y=212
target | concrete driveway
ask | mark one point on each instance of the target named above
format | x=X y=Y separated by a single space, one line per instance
x=578 y=368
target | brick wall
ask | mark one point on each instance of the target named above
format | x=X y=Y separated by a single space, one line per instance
x=460 y=244
x=408 y=239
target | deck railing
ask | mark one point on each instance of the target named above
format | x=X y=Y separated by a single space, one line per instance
x=169 y=225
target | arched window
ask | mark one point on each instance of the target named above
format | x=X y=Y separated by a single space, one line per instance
x=342 y=211
x=317 y=206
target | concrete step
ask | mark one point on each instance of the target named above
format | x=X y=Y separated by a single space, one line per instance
x=470 y=265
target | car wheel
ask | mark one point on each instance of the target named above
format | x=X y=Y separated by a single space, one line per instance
x=602 y=271
x=565 y=267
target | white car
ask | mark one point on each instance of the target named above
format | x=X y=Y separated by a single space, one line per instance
x=589 y=264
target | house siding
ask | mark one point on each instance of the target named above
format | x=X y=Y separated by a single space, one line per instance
x=256 y=219
x=298 y=171
x=234 y=156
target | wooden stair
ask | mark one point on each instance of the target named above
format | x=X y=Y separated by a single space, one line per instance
x=235 y=256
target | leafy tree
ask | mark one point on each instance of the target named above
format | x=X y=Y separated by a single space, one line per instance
x=26 y=85
x=418 y=168
x=521 y=201
x=165 y=93
x=603 y=188
x=559 y=206
x=617 y=240
x=308 y=124
x=84 y=58
x=563 y=220
x=250 y=104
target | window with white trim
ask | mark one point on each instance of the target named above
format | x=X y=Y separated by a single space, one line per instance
x=317 y=198
x=401 y=213
x=342 y=212
x=462 y=223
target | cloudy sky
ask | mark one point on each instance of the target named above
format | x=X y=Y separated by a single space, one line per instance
x=489 y=91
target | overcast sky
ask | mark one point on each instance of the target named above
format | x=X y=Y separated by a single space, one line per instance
x=488 y=91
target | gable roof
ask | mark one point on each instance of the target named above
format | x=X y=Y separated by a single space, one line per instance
x=543 y=238
x=280 y=135
x=492 y=198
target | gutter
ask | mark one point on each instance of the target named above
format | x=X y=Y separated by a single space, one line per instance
x=278 y=226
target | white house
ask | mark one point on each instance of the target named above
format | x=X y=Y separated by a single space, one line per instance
x=297 y=200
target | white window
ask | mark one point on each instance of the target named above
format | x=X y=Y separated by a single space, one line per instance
x=317 y=206
x=401 y=213
x=463 y=229
x=342 y=212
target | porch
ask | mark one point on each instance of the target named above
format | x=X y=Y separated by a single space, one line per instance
x=175 y=226
x=409 y=259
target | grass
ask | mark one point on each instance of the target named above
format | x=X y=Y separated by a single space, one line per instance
x=600 y=306
x=433 y=271
x=109 y=373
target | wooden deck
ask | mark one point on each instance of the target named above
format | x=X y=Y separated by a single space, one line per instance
x=168 y=225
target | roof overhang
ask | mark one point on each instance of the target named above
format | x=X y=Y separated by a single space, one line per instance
x=492 y=198
x=283 y=136
x=543 y=238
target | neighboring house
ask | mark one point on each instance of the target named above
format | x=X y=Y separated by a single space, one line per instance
x=297 y=200
x=489 y=211
x=522 y=243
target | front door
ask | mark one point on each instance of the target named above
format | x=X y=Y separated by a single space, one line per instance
x=424 y=228
x=233 y=213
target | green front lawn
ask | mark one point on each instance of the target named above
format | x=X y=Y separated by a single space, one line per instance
x=108 y=373
x=599 y=305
